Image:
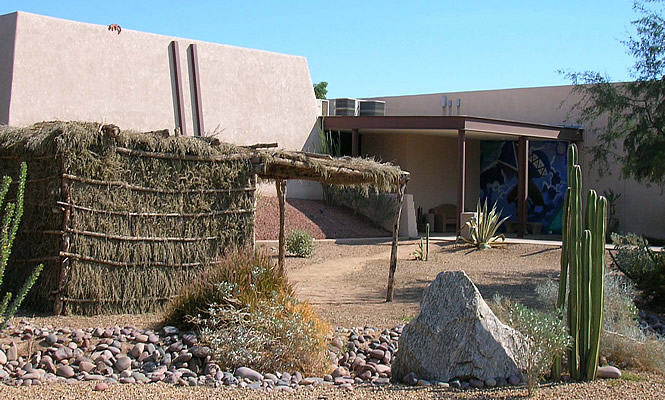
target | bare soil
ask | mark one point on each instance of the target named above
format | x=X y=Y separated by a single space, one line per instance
x=347 y=282
x=320 y=219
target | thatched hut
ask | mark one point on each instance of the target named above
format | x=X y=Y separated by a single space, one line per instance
x=122 y=220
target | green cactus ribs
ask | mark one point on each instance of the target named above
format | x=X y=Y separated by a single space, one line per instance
x=582 y=268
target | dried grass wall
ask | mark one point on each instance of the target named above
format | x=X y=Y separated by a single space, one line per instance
x=122 y=223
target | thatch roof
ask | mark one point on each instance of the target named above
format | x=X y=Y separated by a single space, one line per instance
x=63 y=137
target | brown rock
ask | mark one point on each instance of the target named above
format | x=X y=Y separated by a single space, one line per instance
x=101 y=386
x=339 y=372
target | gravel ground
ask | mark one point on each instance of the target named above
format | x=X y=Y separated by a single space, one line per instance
x=649 y=387
x=351 y=294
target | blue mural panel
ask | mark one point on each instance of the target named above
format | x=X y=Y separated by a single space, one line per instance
x=547 y=180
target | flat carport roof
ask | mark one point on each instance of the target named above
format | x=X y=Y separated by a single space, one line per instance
x=474 y=127
x=463 y=127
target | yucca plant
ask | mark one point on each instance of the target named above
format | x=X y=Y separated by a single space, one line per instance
x=483 y=227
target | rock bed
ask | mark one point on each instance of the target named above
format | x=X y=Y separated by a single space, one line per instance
x=652 y=323
x=130 y=355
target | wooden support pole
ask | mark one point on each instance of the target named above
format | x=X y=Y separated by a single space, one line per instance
x=461 y=177
x=355 y=141
x=58 y=306
x=281 y=196
x=253 y=182
x=393 y=251
x=522 y=185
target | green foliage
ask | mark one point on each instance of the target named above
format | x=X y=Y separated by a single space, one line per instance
x=583 y=265
x=300 y=243
x=320 y=90
x=641 y=265
x=483 y=227
x=546 y=337
x=246 y=311
x=378 y=207
x=13 y=211
x=422 y=252
x=612 y=220
x=330 y=143
x=633 y=110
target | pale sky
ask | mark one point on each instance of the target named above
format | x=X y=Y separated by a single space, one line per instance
x=380 y=48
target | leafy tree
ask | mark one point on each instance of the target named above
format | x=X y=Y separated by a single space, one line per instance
x=320 y=90
x=635 y=110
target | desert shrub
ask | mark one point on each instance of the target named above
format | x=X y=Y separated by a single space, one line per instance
x=641 y=265
x=245 y=310
x=300 y=243
x=483 y=227
x=378 y=207
x=545 y=336
x=13 y=211
x=623 y=342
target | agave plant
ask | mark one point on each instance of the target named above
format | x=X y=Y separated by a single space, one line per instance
x=482 y=227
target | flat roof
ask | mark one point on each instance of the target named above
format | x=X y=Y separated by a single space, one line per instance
x=475 y=127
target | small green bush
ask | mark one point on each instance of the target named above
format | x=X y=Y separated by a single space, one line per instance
x=641 y=265
x=300 y=243
x=483 y=227
x=546 y=337
x=10 y=222
x=245 y=310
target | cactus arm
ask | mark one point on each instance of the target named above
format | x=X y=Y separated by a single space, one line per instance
x=597 y=287
x=585 y=281
x=575 y=265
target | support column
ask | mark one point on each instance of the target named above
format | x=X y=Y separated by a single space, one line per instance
x=393 y=251
x=522 y=184
x=461 y=176
x=355 y=140
x=281 y=197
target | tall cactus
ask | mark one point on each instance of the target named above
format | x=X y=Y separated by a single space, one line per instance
x=583 y=265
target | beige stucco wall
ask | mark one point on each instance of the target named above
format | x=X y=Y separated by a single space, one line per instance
x=432 y=162
x=640 y=209
x=71 y=70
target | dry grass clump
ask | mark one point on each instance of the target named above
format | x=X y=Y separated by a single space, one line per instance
x=623 y=342
x=245 y=309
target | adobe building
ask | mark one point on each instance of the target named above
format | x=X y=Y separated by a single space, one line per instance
x=52 y=69
x=463 y=146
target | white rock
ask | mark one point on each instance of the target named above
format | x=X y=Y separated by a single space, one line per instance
x=608 y=372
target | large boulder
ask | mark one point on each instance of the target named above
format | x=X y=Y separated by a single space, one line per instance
x=456 y=335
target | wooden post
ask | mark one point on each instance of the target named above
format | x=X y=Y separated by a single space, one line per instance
x=355 y=141
x=58 y=306
x=393 y=251
x=281 y=196
x=461 y=177
x=522 y=185
x=253 y=183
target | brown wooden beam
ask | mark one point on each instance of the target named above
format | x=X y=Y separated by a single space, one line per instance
x=355 y=140
x=461 y=176
x=281 y=197
x=453 y=122
x=522 y=185
x=393 y=251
